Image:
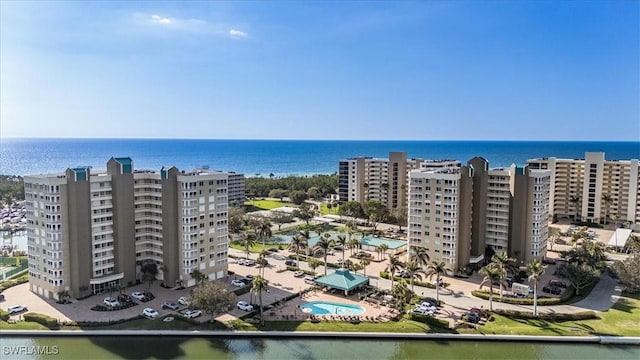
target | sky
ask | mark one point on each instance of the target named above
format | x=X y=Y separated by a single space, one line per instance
x=361 y=70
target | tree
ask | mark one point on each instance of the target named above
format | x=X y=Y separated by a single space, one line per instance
x=401 y=217
x=305 y=212
x=402 y=294
x=536 y=270
x=376 y=213
x=628 y=271
x=64 y=297
x=633 y=244
x=314 y=193
x=264 y=231
x=437 y=268
x=554 y=236
x=249 y=240
x=280 y=217
x=278 y=194
x=298 y=197
x=414 y=270
x=506 y=265
x=262 y=261
x=580 y=235
x=236 y=219
x=212 y=297
x=491 y=275
x=394 y=265
x=351 y=209
x=149 y=270
x=383 y=250
x=298 y=243
x=198 y=276
x=353 y=244
x=607 y=200
x=313 y=264
x=260 y=285
x=341 y=240
x=579 y=275
x=324 y=244
x=574 y=200
x=421 y=254
x=364 y=262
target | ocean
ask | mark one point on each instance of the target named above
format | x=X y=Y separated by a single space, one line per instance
x=23 y=156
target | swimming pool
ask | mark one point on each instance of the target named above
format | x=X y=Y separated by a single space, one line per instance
x=331 y=308
x=377 y=241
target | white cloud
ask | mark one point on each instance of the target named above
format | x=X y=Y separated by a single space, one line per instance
x=161 y=20
x=237 y=33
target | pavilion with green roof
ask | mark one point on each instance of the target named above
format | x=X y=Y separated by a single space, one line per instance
x=343 y=280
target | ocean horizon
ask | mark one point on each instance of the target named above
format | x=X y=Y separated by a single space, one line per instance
x=29 y=156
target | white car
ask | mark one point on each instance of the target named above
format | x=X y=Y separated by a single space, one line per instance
x=183 y=301
x=243 y=305
x=190 y=314
x=298 y=273
x=423 y=311
x=426 y=307
x=137 y=295
x=237 y=283
x=14 y=309
x=241 y=261
x=149 y=312
x=109 y=301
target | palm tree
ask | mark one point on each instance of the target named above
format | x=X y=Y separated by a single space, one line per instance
x=394 y=265
x=491 y=275
x=402 y=294
x=574 y=200
x=506 y=265
x=383 y=249
x=607 y=199
x=262 y=261
x=249 y=241
x=378 y=251
x=535 y=270
x=353 y=244
x=364 y=262
x=264 y=231
x=437 y=269
x=414 y=270
x=325 y=243
x=298 y=243
x=421 y=254
x=342 y=241
x=258 y=285
x=313 y=264
x=306 y=236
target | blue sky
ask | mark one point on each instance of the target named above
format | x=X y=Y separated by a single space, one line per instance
x=429 y=70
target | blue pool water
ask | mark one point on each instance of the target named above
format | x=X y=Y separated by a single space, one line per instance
x=331 y=308
x=377 y=241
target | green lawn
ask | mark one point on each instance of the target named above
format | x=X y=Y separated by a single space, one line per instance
x=623 y=319
x=22 y=325
x=253 y=249
x=324 y=210
x=255 y=205
x=407 y=326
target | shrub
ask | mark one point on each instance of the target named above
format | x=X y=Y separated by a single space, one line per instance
x=385 y=275
x=4 y=316
x=10 y=283
x=584 y=315
x=48 y=321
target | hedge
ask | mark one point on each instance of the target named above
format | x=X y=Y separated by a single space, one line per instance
x=385 y=275
x=584 y=315
x=566 y=296
x=48 y=321
x=430 y=320
x=295 y=268
x=243 y=290
x=9 y=283
x=4 y=316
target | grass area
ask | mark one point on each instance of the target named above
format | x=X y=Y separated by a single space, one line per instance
x=22 y=325
x=623 y=319
x=335 y=326
x=324 y=210
x=253 y=249
x=256 y=205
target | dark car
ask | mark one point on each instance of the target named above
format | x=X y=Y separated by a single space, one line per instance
x=473 y=317
x=273 y=250
x=170 y=305
x=290 y=262
x=124 y=298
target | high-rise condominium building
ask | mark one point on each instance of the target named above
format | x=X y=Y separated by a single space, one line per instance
x=464 y=215
x=386 y=180
x=593 y=189
x=236 y=189
x=88 y=231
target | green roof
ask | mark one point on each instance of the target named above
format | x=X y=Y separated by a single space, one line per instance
x=342 y=279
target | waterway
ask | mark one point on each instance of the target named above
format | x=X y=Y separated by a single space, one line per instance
x=281 y=349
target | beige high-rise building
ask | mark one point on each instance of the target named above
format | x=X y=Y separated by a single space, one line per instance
x=464 y=215
x=593 y=189
x=90 y=230
x=386 y=180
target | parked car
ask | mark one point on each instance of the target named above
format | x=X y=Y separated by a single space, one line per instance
x=183 y=300
x=402 y=274
x=137 y=295
x=273 y=250
x=309 y=280
x=473 y=318
x=14 y=309
x=249 y=262
x=298 y=273
x=557 y=283
x=243 y=305
x=238 y=283
x=427 y=306
x=125 y=298
x=170 y=305
x=290 y=262
x=109 y=301
x=241 y=261
x=246 y=280
x=423 y=311
x=190 y=314
x=149 y=312
x=338 y=248
x=249 y=276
